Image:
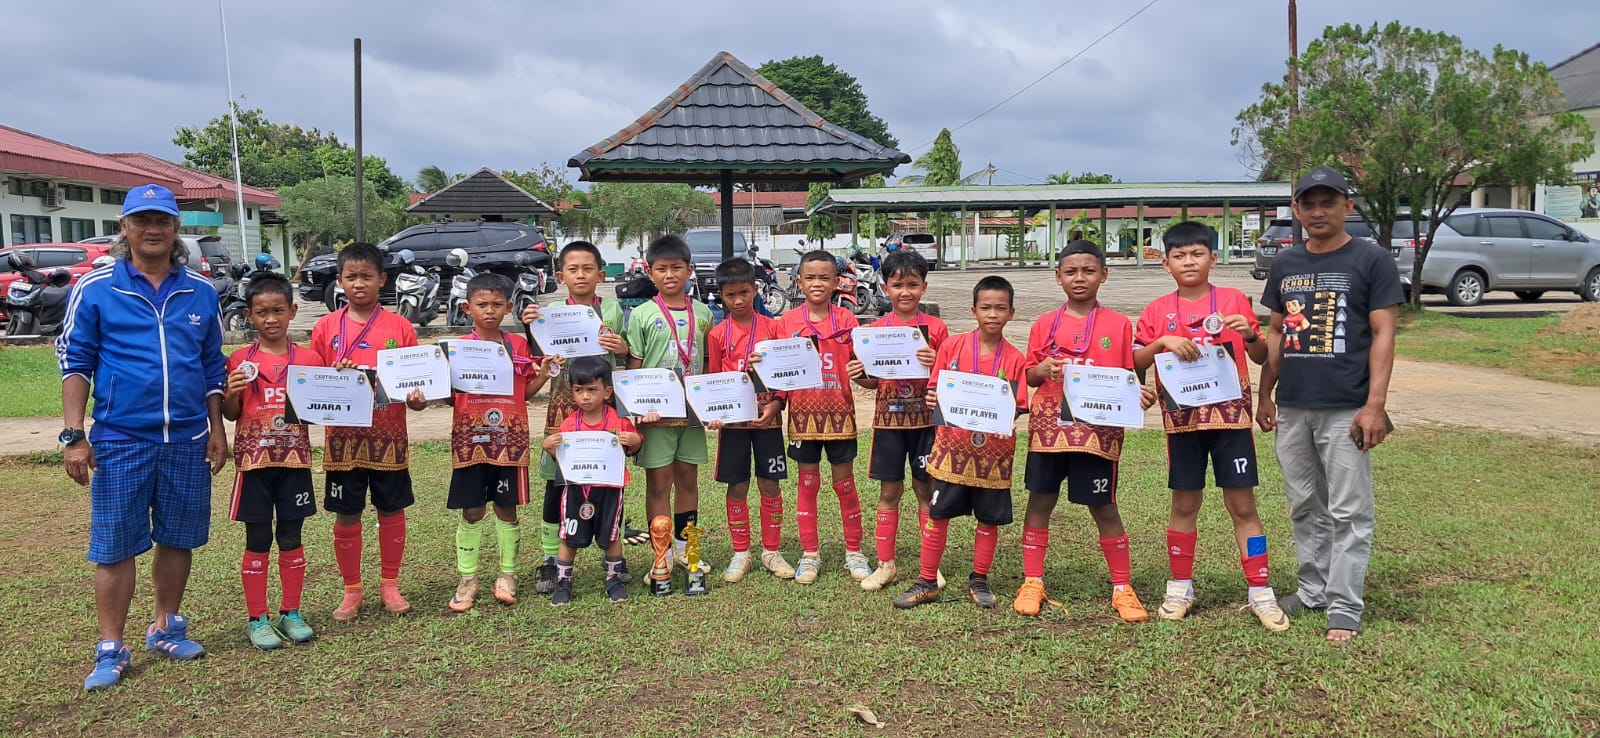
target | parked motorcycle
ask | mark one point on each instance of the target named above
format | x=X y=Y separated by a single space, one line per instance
x=236 y=307
x=416 y=290
x=37 y=302
x=870 y=294
x=773 y=299
x=529 y=283
x=456 y=312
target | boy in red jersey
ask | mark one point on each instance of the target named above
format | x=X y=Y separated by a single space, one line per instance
x=375 y=458
x=902 y=423
x=273 y=460
x=1200 y=314
x=489 y=447
x=728 y=349
x=973 y=470
x=824 y=419
x=1080 y=332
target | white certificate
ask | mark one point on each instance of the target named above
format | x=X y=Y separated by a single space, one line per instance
x=789 y=364
x=726 y=396
x=1100 y=395
x=641 y=391
x=568 y=331
x=417 y=368
x=1208 y=380
x=977 y=402
x=591 y=457
x=891 y=353
x=480 y=367
x=334 y=397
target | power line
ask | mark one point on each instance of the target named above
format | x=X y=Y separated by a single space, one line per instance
x=1042 y=77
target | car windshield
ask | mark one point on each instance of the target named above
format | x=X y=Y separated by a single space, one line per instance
x=709 y=243
x=917 y=238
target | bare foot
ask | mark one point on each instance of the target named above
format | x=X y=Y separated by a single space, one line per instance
x=1340 y=635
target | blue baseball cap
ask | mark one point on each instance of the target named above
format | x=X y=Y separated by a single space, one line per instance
x=150 y=197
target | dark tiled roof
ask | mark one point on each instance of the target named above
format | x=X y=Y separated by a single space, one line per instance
x=1579 y=77
x=765 y=215
x=483 y=192
x=728 y=117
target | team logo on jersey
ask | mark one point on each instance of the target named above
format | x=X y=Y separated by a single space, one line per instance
x=391 y=343
x=492 y=417
x=682 y=323
x=1105 y=342
x=660 y=324
x=906 y=389
x=279 y=422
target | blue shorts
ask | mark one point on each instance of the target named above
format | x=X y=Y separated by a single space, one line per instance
x=145 y=491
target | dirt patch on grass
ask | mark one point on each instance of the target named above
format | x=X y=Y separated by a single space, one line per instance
x=1583 y=320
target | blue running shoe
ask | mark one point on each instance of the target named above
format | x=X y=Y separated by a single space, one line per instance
x=173 y=642
x=110 y=659
x=293 y=625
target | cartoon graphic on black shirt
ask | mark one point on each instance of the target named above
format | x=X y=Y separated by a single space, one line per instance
x=1294 y=321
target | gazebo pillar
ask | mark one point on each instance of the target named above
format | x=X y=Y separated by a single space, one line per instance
x=1138 y=241
x=1052 y=236
x=1224 y=238
x=727 y=213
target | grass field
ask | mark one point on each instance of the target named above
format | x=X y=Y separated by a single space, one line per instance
x=1480 y=622
x=1523 y=346
x=30 y=382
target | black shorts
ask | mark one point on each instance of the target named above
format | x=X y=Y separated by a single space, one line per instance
x=810 y=452
x=1091 y=480
x=604 y=523
x=259 y=493
x=893 y=447
x=480 y=484
x=990 y=505
x=347 y=491
x=1232 y=453
x=737 y=446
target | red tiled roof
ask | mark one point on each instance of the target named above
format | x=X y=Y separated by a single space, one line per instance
x=27 y=152
x=416 y=197
x=195 y=184
x=785 y=200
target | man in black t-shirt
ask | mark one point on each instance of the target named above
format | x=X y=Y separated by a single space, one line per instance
x=1334 y=305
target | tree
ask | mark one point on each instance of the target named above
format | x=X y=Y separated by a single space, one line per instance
x=547 y=183
x=645 y=211
x=339 y=160
x=1407 y=114
x=821 y=226
x=277 y=155
x=940 y=167
x=829 y=92
x=323 y=210
x=1067 y=178
x=431 y=179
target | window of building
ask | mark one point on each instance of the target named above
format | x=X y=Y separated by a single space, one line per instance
x=30 y=229
x=110 y=227
x=28 y=187
x=112 y=197
x=78 y=193
x=249 y=213
x=76 y=229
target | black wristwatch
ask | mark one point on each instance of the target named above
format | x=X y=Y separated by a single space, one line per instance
x=70 y=436
x=1250 y=337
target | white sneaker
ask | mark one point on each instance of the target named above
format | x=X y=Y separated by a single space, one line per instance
x=810 y=566
x=855 y=562
x=682 y=562
x=779 y=566
x=883 y=576
x=1265 y=604
x=1179 y=598
x=738 y=566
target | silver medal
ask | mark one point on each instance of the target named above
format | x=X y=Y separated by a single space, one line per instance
x=1213 y=324
x=249 y=370
x=586 y=511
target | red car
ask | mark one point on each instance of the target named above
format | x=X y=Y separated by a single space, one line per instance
x=78 y=258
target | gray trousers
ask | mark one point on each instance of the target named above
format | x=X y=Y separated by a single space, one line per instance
x=1329 y=485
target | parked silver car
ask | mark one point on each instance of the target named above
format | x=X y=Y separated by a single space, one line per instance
x=1481 y=249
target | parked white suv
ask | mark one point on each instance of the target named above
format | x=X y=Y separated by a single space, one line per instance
x=1481 y=249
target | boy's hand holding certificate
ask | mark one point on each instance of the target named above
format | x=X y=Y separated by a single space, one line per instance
x=726 y=396
x=422 y=368
x=890 y=353
x=591 y=457
x=789 y=364
x=332 y=397
x=976 y=402
x=480 y=367
x=1208 y=380
x=1100 y=395
x=568 y=331
x=643 y=391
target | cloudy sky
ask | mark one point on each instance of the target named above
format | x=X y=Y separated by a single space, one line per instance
x=473 y=83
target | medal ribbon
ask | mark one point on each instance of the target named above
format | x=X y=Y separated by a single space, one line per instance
x=283 y=370
x=1177 y=307
x=750 y=345
x=833 y=322
x=666 y=312
x=977 y=362
x=345 y=349
x=1088 y=332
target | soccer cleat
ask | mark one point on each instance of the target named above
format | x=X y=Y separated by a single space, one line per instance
x=466 y=594
x=1029 y=597
x=110 y=660
x=263 y=635
x=774 y=562
x=1265 y=604
x=389 y=592
x=855 y=562
x=982 y=595
x=738 y=566
x=881 y=577
x=294 y=627
x=350 y=606
x=616 y=589
x=546 y=583
x=505 y=588
x=810 y=567
x=921 y=592
x=562 y=594
x=173 y=641
x=1179 y=598
x=1127 y=605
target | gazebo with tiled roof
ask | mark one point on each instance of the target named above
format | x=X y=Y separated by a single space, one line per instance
x=486 y=194
x=728 y=123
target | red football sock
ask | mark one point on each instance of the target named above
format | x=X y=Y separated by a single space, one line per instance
x=933 y=539
x=983 y=545
x=922 y=518
x=739 y=525
x=771 y=523
x=805 y=510
x=1116 y=551
x=849 y=512
x=888 y=528
x=391 y=544
x=1180 y=553
x=347 y=552
x=1255 y=569
x=1035 y=541
x=292 y=577
x=253 y=573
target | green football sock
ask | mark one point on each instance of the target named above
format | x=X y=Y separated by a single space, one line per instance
x=469 y=536
x=551 y=539
x=508 y=535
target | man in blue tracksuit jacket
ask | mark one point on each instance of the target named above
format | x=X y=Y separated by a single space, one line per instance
x=144 y=332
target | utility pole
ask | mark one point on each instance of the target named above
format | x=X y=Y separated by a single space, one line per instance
x=361 y=216
x=1294 y=103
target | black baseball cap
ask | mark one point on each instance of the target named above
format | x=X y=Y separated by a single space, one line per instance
x=1323 y=176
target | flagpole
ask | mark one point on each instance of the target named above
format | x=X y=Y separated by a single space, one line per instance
x=233 y=117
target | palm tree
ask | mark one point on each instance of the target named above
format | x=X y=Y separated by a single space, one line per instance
x=431 y=179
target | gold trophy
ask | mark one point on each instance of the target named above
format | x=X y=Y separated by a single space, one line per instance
x=661 y=570
x=695 y=583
